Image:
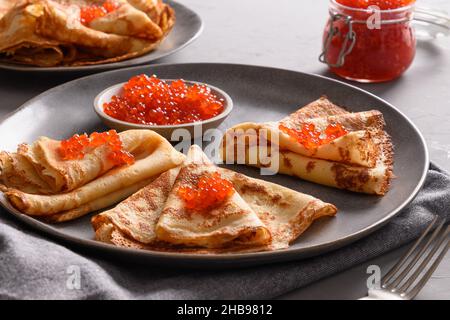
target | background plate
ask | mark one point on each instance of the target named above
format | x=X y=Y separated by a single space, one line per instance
x=259 y=94
x=187 y=28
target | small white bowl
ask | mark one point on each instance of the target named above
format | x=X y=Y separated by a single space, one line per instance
x=164 y=130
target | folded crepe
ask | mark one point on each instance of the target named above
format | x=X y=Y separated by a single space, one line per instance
x=19 y=43
x=37 y=181
x=360 y=160
x=258 y=216
x=158 y=11
x=5 y=6
x=50 y=32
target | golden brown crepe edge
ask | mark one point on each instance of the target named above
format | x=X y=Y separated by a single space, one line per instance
x=109 y=234
x=107 y=231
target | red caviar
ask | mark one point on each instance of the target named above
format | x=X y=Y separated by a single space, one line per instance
x=384 y=43
x=211 y=189
x=382 y=4
x=77 y=146
x=73 y=148
x=311 y=138
x=149 y=100
x=89 y=13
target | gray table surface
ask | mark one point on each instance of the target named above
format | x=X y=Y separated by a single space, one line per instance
x=287 y=34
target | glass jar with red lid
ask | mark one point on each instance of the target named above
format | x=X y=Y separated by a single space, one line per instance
x=369 y=40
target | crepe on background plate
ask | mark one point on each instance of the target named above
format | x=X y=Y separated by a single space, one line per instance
x=259 y=216
x=360 y=160
x=50 y=33
x=36 y=181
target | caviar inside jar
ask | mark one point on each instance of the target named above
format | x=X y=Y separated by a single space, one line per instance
x=381 y=52
x=211 y=190
x=151 y=101
x=77 y=146
x=382 y=4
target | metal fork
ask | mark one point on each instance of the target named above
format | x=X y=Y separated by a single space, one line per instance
x=402 y=282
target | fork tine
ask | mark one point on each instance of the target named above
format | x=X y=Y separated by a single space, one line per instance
x=413 y=293
x=405 y=257
x=425 y=262
x=414 y=260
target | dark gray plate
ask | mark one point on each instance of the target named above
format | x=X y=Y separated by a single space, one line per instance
x=187 y=28
x=259 y=94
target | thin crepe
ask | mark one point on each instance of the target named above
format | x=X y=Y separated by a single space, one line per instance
x=60 y=21
x=232 y=222
x=99 y=203
x=91 y=179
x=19 y=43
x=144 y=220
x=49 y=32
x=359 y=161
x=127 y=21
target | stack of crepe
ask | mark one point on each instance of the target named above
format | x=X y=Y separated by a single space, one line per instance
x=258 y=215
x=49 y=33
x=37 y=182
x=360 y=160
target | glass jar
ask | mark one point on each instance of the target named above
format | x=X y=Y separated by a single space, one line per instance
x=369 y=45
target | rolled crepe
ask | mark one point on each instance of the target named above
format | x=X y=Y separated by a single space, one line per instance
x=98 y=204
x=39 y=167
x=64 y=175
x=154 y=219
x=17 y=172
x=153 y=155
x=360 y=160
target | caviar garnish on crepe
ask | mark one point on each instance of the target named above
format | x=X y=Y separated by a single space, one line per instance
x=322 y=143
x=91 y=12
x=51 y=33
x=212 y=218
x=100 y=171
x=78 y=146
x=249 y=214
x=209 y=191
x=310 y=137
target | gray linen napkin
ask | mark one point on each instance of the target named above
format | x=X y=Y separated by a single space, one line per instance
x=34 y=268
